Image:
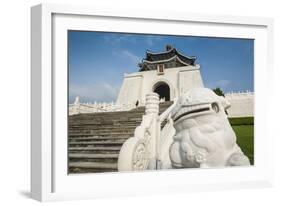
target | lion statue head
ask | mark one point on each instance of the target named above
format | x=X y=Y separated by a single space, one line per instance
x=204 y=136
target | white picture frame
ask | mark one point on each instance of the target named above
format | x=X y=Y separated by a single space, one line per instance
x=49 y=179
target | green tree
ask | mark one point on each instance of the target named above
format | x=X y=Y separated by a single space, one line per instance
x=218 y=91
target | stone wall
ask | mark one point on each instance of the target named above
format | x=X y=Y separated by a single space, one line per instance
x=242 y=104
x=136 y=85
x=98 y=107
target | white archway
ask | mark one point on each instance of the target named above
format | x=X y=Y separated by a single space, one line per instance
x=160 y=82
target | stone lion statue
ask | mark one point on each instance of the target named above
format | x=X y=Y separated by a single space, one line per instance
x=204 y=137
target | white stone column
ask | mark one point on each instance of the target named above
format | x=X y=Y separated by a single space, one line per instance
x=152 y=109
x=77 y=100
x=152 y=104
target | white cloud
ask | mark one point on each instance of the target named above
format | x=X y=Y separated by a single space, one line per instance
x=150 y=40
x=117 y=40
x=223 y=84
x=100 y=92
x=134 y=58
x=128 y=55
x=114 y=40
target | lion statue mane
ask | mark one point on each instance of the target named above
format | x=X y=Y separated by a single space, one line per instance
x=204 y=137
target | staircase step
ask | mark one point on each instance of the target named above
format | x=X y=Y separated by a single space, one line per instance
x=94 y=156
x=95 y=139
x=124 y=134
x=98 y=138
x=93 y=165
x=114 y=126
x=82 y=123
x=102 y=130
x=94 y=148
x=97 y=143
x=70 y=135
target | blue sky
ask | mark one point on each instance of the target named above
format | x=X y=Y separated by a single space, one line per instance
x=98 y=60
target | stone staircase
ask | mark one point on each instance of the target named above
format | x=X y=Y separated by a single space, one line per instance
x=95 y=139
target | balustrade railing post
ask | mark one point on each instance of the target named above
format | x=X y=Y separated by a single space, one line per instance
x=152 y=104
x=158 y=133
x=152 y=108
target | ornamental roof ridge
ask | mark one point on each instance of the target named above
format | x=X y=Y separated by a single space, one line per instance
x=190 y=57
x=168 y=51
x=171 y=54
x=164 y=52
x=166 y=60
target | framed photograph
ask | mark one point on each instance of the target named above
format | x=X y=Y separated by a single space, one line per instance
x=138 y=102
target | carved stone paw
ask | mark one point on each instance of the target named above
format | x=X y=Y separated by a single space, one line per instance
x=238 y=159
x=200 y=157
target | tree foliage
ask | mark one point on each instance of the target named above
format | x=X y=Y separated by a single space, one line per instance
x=218 y=91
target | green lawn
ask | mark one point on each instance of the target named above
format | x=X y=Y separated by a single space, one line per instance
x=245 y=139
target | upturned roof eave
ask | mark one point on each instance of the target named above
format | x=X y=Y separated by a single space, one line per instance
x=166 y=60
x=166 y=52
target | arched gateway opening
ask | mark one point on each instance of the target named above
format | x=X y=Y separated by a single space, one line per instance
x=163 y=90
